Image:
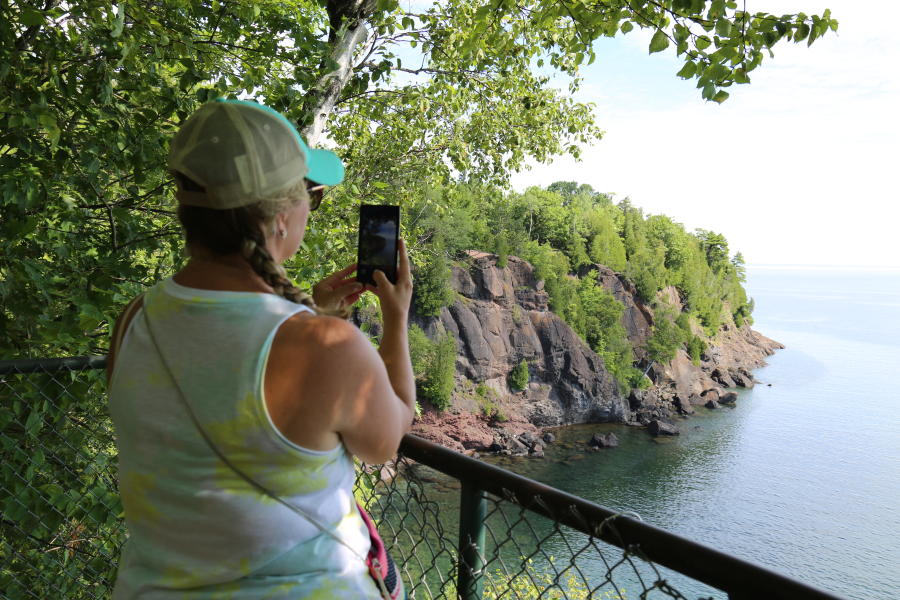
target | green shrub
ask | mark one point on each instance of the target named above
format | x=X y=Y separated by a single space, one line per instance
x=434 y=366
x=489 y=403
x=637 y=380
x=665 y=340
x=432 y=284
x=696 y=347
x=502 y=252
x=518 y=377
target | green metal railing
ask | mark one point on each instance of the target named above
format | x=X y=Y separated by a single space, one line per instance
x=456 y=526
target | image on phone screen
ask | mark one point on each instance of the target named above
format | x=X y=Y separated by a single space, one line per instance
x=379 y=228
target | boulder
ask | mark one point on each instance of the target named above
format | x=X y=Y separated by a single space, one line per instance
x=657 y=428
x=743 y=377
x=728 y=398
x=600 y=440
x=712 y=404
x=516 y=447
x=683 y=406
x=529 y=439
x=722 y=377
x=710 y=394
x=537 y=451
x=548 y=438
x=508 y=443
x=636 y=398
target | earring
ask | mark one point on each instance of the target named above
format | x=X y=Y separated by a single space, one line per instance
x=282 y=233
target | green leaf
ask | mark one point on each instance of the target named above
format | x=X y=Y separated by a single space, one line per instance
x=702 y=42
x=720 y=97
x=723 y=27
x=32 y=17
x=659 y=42
x=688 y=70
x=626 y=26
x=34 y=421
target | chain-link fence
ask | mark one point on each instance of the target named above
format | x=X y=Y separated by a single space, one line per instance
x=61 y=526
x=518 y=555
x=456 y=527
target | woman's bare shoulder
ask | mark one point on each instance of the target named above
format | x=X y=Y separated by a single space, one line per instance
x=323 y=341
x=314 y=358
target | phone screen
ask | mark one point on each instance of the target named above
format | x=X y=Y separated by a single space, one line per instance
x=379 y=230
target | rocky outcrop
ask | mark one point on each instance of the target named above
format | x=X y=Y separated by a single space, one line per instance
x=501 y=316
x=680 y=385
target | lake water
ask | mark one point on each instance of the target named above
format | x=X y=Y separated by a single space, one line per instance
x=802 y=477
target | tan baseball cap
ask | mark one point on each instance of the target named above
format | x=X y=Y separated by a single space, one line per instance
x=241 y=151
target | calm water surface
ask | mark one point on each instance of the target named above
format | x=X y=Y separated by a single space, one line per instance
x=802 y=476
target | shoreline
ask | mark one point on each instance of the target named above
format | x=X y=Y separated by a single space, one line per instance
x=680 y=389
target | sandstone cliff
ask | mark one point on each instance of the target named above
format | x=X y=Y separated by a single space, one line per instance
x=501 y=316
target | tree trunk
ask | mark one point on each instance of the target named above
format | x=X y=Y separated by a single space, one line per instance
x=328 y=89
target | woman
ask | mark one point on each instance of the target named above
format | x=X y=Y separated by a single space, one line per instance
x=226 y=369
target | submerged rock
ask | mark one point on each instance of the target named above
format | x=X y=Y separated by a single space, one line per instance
x=601 y=440
x=657 y=428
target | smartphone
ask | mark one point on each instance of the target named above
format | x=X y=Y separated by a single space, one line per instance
x=379 y=234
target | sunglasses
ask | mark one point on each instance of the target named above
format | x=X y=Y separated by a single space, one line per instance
x=316 y=193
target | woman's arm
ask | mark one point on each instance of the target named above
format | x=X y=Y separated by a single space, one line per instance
x=325 y=381
x=394 y=348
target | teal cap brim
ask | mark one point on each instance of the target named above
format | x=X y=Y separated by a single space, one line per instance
x=325 y=167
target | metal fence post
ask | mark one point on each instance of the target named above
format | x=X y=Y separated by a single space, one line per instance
x=472 y=511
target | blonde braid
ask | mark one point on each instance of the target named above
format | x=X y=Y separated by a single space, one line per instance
x=255 y=252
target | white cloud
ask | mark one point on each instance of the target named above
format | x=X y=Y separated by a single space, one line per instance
x=796 y=168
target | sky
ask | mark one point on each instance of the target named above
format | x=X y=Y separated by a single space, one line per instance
x=797 y=168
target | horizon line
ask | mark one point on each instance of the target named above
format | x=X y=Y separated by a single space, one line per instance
x=821 y=266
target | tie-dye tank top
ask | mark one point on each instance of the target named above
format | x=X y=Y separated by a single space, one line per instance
x=196 y=529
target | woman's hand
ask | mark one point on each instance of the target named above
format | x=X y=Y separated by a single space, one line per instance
x=395 y=299
x=337 y=291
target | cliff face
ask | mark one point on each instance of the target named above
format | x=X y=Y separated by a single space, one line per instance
x=501 y=316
